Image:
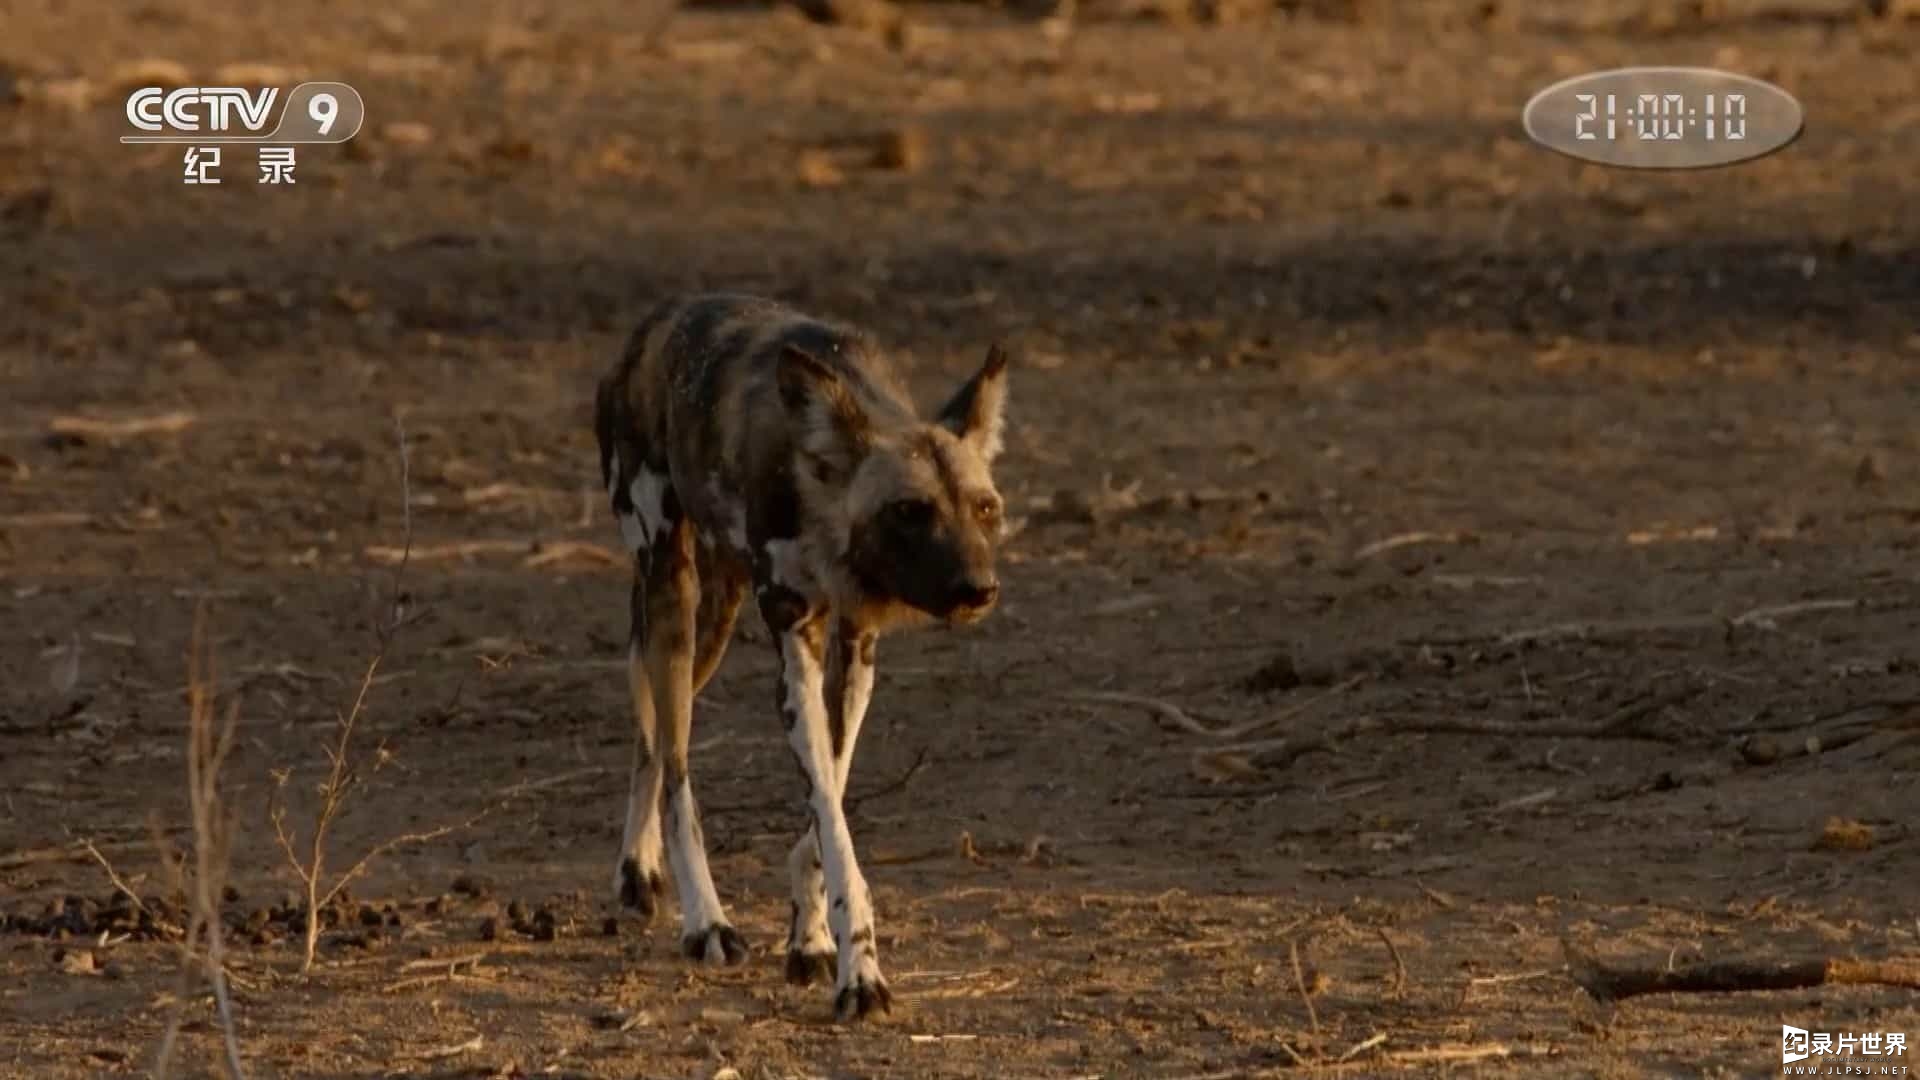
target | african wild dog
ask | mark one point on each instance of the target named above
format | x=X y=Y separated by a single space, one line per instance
x=742 y=442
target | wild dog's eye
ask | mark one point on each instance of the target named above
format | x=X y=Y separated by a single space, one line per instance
x=909 y=513
x=986 y=508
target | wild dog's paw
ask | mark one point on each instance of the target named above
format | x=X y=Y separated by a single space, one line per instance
x=864 y=995
x=640 y=890
x=719 y=945
x=806 y=968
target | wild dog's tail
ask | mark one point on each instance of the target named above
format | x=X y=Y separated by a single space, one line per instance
x=605 y=394
x=610 y=404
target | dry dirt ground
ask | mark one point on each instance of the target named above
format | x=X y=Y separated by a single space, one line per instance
x=1502 y=527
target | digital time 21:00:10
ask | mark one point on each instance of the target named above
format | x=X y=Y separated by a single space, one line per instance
x=1665 y=116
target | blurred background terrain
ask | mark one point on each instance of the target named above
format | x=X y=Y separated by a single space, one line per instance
x=1498 y=530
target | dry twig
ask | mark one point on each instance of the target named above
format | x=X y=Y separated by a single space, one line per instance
x=1606 y=984
x=1476 y=1052
x=163 y=424
x=1392 y=543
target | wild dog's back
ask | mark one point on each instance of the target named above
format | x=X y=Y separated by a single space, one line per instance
x=693 y=399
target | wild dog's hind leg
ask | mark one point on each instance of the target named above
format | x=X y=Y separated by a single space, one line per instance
x=637 y=880
x=848 y=688
x=722 y=588
x=672 y=633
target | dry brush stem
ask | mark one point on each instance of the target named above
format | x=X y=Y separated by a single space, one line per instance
x=1766 y=617
x=201 y=874
x=345 y=772
x=1174 y=717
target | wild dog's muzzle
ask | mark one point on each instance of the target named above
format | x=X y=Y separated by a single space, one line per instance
x=970 y=598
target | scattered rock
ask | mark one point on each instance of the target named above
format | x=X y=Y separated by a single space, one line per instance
x=255 y=74
x=150 y=71
x=1233 y=12
x=505 y=41
x=74 y=95
x=907 y=36
x=875 y=15
x=407 y=133
x=76 y=961
x=1276 y=675
x=1870 y=471
x=509 y=148
x=545 y=926
x=1844 y=834
x=816 y=169
x=902 y=150
x=1760 y=750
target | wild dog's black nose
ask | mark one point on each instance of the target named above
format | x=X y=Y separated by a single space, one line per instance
x=975 y=592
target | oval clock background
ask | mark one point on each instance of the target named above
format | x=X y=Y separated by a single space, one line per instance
x=1663 y=117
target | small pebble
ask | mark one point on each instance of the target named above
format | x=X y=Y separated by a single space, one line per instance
x=76 y=961
x=473 y=885
x=545 y=926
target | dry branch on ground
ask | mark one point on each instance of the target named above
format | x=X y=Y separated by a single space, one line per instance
x=1608 y=983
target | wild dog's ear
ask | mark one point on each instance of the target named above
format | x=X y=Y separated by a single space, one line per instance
x=976 y=411
x=832 y=426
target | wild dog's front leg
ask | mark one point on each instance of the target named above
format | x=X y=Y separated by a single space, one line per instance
x=848 y=689
x=859 y=987
x=672 y=623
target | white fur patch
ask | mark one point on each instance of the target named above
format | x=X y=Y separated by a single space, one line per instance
x=809 y=934
x=786 y=565
x=700 y=907
x=648 y=493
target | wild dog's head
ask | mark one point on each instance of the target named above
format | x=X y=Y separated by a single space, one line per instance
x=909 y=505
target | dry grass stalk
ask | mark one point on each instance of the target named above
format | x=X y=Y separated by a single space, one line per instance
x=1399 y=987
x=1300 y=985
x=201 y=874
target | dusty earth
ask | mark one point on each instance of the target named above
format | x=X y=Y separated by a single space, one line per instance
x=1501 y=528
